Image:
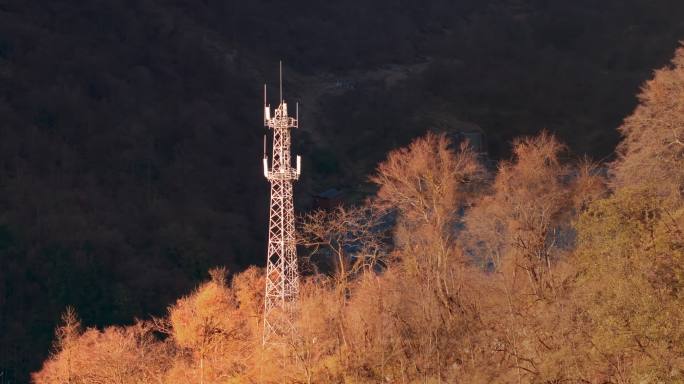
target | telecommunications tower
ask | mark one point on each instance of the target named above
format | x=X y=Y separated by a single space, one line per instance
x=282 y=276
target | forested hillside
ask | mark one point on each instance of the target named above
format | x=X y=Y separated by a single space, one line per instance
x=544 y=271
x=130 y=131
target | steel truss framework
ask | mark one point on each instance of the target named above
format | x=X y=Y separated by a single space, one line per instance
x=282 y=277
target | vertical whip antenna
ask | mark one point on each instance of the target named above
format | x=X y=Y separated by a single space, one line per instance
x=281 y=81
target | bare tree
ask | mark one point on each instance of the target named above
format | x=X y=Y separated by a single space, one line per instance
x=355 y=236
x=427 y=183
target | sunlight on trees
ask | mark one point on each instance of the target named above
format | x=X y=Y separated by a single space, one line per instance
x=547 y=270
x=652 y=152
x=631 y=261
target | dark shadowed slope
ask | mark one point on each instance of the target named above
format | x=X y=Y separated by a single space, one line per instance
x=130 y=131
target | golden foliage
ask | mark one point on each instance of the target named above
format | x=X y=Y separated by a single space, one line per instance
x=652 y=151
x=539 y=274
x=115 y=355
x=631 y=261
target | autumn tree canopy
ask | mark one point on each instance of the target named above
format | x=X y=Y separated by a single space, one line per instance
x=549 y=269
x=652 y=150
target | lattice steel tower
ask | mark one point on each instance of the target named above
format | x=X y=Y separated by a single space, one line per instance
x=282 y=277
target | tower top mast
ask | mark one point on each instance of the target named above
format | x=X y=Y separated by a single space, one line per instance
x=281 y=81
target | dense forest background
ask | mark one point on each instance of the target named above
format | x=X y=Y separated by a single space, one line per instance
x=548 y=269
x=130 y=133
